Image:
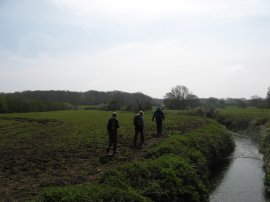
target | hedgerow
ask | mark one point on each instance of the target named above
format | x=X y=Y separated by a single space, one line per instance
x=168 y=178
x=203 y=148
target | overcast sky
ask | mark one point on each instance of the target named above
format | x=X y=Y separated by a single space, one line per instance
x=216 y=48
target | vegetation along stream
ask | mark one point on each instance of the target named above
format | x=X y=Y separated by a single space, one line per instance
x=242 y=179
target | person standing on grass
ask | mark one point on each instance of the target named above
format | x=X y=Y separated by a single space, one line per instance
x=159 y=117
x=139 y=127
x=112 y=127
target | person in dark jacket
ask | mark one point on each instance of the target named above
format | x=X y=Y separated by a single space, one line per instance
x=139 y=127
x=112 y=127
x=159 y=117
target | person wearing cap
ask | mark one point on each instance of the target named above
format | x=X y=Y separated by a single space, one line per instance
x=139 y=127
x=112 y=127
x=159 y=117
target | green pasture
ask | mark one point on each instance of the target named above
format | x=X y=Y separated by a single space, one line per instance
x=176 y=169
x=79 y=128
x=250 y=112
x=64 y=147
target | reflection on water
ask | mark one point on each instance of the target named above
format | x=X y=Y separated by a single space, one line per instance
x=242 y=180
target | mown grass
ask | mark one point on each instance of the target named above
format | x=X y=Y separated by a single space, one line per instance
x=62 y=149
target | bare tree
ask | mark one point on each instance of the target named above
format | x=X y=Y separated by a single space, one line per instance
x=255 y=100
x=179 y=92
x=180 y=98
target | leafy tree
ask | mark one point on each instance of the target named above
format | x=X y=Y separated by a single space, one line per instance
x=3 y=105
x=192 y=101
x=212 y=102
x=242 y=103
x=256 y=100
x=114 y=105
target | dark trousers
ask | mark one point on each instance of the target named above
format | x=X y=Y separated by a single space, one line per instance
x=138 y=129
x=159 y=127
x=112 y=139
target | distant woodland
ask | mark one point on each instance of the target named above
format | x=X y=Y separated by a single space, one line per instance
x=178 y=98
x=32 y=101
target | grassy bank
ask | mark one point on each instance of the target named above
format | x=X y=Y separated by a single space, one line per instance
x=61 y=152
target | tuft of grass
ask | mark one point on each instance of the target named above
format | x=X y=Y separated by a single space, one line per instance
x=91 y=193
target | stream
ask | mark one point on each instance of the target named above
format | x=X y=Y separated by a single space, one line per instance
x=242 y=178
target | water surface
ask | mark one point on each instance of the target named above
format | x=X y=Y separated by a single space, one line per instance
x=242 y=179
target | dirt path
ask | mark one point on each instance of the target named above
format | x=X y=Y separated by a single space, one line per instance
x=126 y=153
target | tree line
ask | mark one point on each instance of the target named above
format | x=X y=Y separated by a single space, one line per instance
x=180 y=97
x=10 y=104
x=31 y=101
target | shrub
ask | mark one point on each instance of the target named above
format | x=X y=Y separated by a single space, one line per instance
x=203 y=147
x=168 y=178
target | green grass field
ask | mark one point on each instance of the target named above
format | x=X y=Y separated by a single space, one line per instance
x=251 y=113
x=40 y=150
